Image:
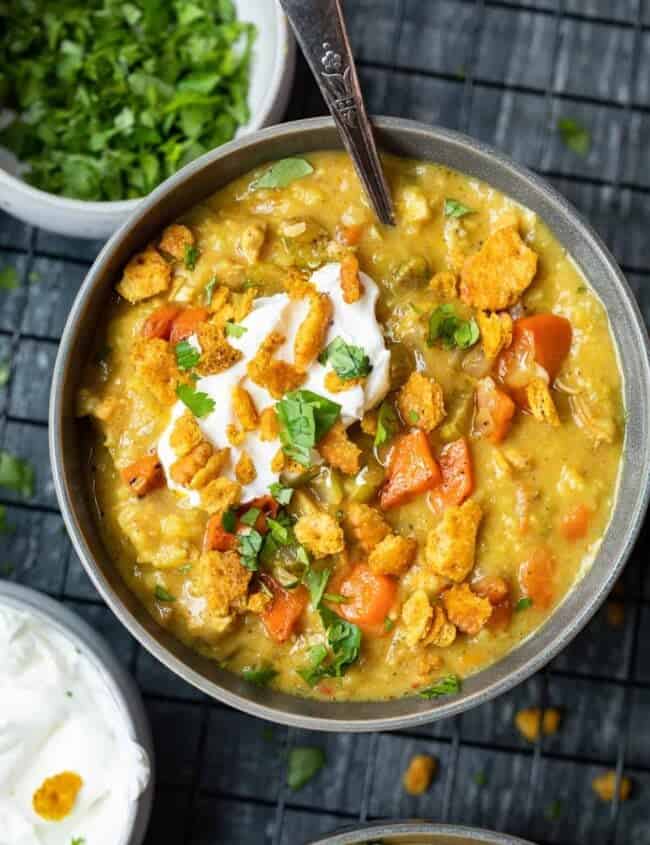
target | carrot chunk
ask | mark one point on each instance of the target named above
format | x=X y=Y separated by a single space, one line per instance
x=144 y=475
x=285 y=609
x=187 y=323
x=536 y=577
x=412 y=469
x=159 y=322
x=369 y=598
x=542 y=340
x=457 y=475
x=493 y=412
x=216 y=538
x=575 y=524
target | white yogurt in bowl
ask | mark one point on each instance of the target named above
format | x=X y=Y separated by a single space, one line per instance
x=75 y=749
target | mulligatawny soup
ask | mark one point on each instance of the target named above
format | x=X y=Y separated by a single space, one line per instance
x=350 y=461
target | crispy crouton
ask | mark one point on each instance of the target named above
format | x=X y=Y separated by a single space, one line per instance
x=450 y=545
x=56 y=796
x=217 y=354
x=279 y=461
x=417 y=778
x=245 y=471
x=369 y=423
x=417 y=614
x=235 y=434
x=465 y=609
x=366 y=525
x=495 y=277
x=351 y=284
x=219 y=300
x=605 y=787
x=335 y=384
x=444 y=286
x=155 y=368
x=421 y=403
x=297 y=284
x=146 y=274
x=244 y=408
x=541 y=402
x=339 y=451
x=222 y=581
x=242 y=304
x=220 y=494
x=269 y=425
x=184 y=469
x=278 y=377
x=175 y=240
x=392 y=555
x=312 y=331
x=185 y=434
x=258 y=602
x=211 y=470
x=530 y=722
x=320 y=533
x=496 y=333
x=442 y=632
x=492 y=587
x=251 y=242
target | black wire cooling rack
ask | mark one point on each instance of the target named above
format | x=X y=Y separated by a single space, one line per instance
x=505 y=72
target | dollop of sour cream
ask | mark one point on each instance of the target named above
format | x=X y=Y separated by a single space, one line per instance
x=57 y=714
x=355 y=323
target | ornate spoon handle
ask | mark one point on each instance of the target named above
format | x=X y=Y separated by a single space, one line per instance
x=320 y=30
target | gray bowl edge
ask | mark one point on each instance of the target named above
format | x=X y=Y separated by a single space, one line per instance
x=416 y=832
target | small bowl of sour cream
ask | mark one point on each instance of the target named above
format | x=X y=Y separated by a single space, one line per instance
x=76 y=756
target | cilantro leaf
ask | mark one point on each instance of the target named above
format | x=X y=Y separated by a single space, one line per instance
x=9 y=278
x=250 y=545
x=453 y=208
x=187 y=356
x=452 y=331
x=229 y=521
x=16 y=474
x=77 y=840
x=344 y=641
x=260 y=676
x=199 y=403
x=233 y=330
x=523 y=604
x=280 y=530
x=316 y=583
x=305 y=418
x=446 y=686
x=304 y=762
x=314 y=672
x=575 y=136
x=282 y=173
x=348 y=361
x=162 y=594
x=387 y=424
x=191 y=256
x=281 y=494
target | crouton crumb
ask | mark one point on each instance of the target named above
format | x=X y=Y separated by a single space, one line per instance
x=339 y=451
x=444 y=286
x=421 y=770
x=451 y=544
x=222 y=581
x=175 y=240
x=278 y=377
x=392 y=555
x=421 y=403
x=366 y=525
x=530 y=722
x=320 y=533
x=468 y=612
x=244 y=408
x=351 y=284
x=185 y=434
x=146 y=275
x=605 y=786
x=269 y=425
x=496 y=332
x=245 y=471
x=220 y=494
x=494 y=278
x=55 y=797
x=312 y=331
x=154 y=368
x=541 y=402
x=217 y=355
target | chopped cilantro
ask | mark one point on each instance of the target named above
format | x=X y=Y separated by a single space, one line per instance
x=250 y=517
x=191 y=256
x=304 y=762
x=574 y=135
x=209 y=290
x=453 y=208
x=387 y=424
x=445 y=686
x=187 y=356
x=8 y=277
x=200 y=404
x=281 y=494
x=233 y=330
x=335 y=598
x=413 y=416
x=162 y=594
x=316 y=583
x=260 y=676
x=344 y=640
x=250 y=545
x=229 y=521
x=348 y=361
x=452 y=331
x=523 y=604
x=305 y=418
x=282 y=173
x=77 y=840
x=16 y=474
x=280 y=530
x=5 y=372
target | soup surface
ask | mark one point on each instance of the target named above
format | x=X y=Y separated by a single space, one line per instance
x=348 y=461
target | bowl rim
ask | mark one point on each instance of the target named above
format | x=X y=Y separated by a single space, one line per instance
x=120 y=683
x=513 y=667
x=284 y=59
x=358 y=835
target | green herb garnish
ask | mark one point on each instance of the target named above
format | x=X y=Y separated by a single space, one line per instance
x=250 y=517
x=281 y=494
x=9 y=279
x=233 y=330
x=348 y=361
x=186 y=355
x=5 y=372
x=335 y=598
x=282 y=173
x=523 y=604
x=304 y=762
x=280 y=530
x=191 y=256
x=574 y=135
x=453 y=208
x=452 y=331
x=199 y=403
x=162 y=594
x=344 y=640
x=260 y=677
x=229 y=521
x=446 y=686
x=16 y=474
x=305 y=418
x=250 y=545
x=209 y=290
x=387 y=424
x=413 y=417
x=316 y=583
x=78 y=840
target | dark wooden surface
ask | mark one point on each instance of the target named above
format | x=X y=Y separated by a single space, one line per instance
x=504 y=72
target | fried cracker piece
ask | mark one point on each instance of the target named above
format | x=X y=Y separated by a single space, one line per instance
x=244 y=408
x=468 y=612
x=278 y=377
x=217 y=355
x=320 y=533
x=495 y=277
x=185 y=434
x=351 y=283
x=175 y=240
x=312 y=331
x=451 y=544
x=421 y=770
x=222 y=581
x=155 y=368
x=366 y=525
x=444 y=286
x=146 y=275
x=269 y=424
x=245 y=471
x=421 y=402
x=339 y=451
x=541 y=402
x=220 y=494
x=496 y=333
x=392 y=555
x=184 y=469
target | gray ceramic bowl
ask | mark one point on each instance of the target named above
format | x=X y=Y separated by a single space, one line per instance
x=120 y=684
x=197 y=181
x=418 y=833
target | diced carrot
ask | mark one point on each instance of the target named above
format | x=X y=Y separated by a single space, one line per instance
x=216 y=537
x=350 y=235
x=493 y=413
x=457 y=475
x=536 y=577
x=144 y=475
x=369 y=596
x=542 y=340
x=575 y=524
x=285 y=609
x=159 y=322
x=267 y=507
x=491 y=587
x=412 y=470
x=501 y=616
x=187 y=322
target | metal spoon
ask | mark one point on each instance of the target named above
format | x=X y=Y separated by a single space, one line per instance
x=320 y=30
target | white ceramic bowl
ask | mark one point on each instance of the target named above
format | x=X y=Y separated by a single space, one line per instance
x=272 y=72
